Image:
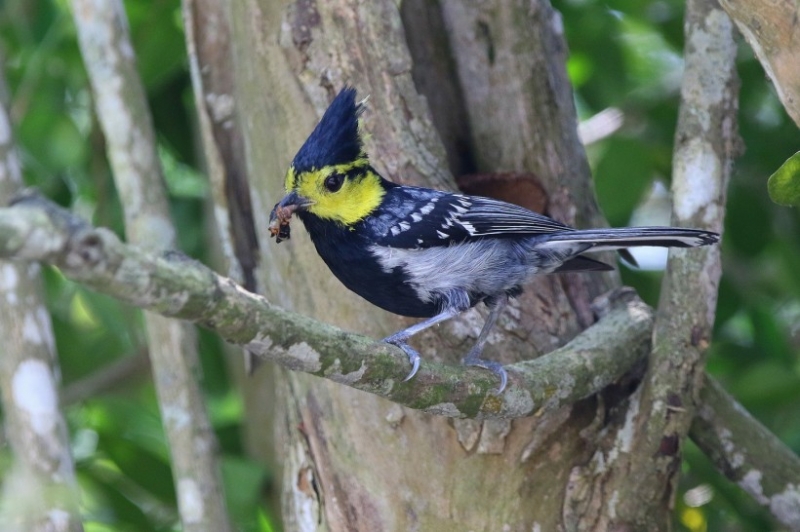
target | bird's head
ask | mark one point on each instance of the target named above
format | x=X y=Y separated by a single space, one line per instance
x=330 y=177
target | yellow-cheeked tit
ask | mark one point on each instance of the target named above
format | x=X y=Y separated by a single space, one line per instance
x=427 y=253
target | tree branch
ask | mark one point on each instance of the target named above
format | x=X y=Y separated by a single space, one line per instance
x=748 y=453
x=174 y=285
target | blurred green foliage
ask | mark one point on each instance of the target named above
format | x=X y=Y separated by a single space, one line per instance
x=625 y=54
x=122 y=457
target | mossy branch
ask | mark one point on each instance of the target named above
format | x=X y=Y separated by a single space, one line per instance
x=174 y=285
x=747 y=453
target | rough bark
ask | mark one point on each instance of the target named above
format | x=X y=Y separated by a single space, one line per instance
x=209 y=49
x=510 y=58
x=125 y=119
x=290 y=60
x=771 y=30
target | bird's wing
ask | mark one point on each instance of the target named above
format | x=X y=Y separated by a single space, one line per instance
x=488 y=217
x=415 y=217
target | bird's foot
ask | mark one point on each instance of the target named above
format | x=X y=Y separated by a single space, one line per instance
x=494 y=367
x=413 y=356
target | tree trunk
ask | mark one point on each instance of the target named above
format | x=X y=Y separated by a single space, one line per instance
x=351 y=461
x=461 y=93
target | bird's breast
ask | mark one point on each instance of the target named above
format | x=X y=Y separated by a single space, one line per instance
x=347 y=253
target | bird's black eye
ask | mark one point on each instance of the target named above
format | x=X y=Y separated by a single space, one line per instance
x=334 y=182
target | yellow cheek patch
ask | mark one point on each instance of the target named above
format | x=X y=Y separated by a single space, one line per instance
x=360 y=195
x=291 y=179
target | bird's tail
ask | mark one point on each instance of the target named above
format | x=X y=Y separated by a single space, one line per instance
x=627 y=237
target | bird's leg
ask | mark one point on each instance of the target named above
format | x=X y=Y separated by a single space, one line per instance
x=473 y=357
x=400 y=338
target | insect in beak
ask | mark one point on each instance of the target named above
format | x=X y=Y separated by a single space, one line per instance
x=282 y=213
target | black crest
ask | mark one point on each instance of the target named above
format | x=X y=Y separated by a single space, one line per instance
x=335 y=140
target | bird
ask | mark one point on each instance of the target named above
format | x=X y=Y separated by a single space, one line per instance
x=426 y=253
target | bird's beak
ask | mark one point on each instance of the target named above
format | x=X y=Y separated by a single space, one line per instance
x=282 y=212
x=293 y=201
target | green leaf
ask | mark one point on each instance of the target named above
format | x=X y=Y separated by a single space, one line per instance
x=784 y=184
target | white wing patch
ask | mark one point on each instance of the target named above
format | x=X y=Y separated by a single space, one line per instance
x=399 y=228
x=469 y=227
x=428 y=207
x=456 y=210
x=463 y=201
x=454 y=217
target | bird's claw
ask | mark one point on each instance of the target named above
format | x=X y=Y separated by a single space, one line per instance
x=494 y=367
x=471 y=360
x=413 y=356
